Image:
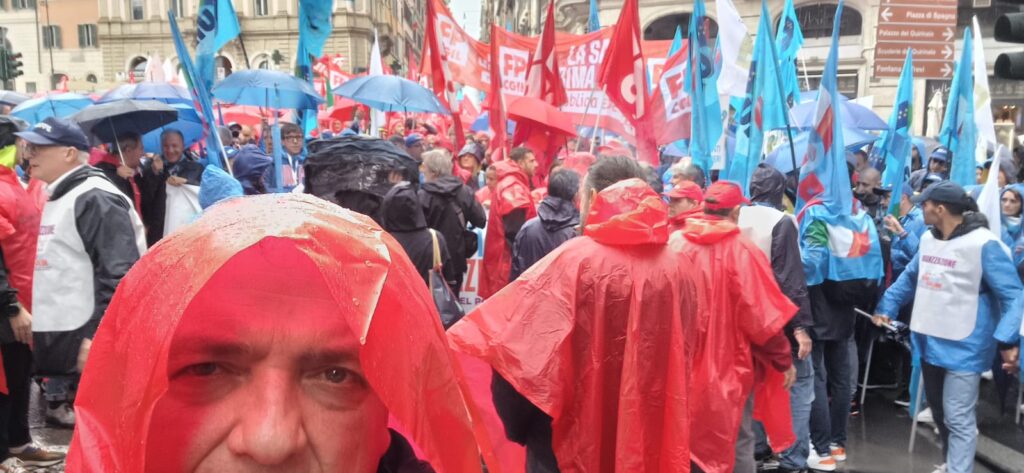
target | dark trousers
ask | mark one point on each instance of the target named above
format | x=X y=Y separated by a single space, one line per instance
x=832 y=393
x=14 y=405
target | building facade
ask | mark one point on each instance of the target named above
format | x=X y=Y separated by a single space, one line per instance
x=58 y=40
x=659 y=19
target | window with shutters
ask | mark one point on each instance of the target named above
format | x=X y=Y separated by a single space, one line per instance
x=23 y=4
x=262 y=7
x=138 y=9
x=87 y=36
x=178 y=7
x=51 y=37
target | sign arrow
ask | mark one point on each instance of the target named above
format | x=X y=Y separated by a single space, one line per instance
x=948 y=35
x=946 y=70
x=886 y=14
x=947 y=51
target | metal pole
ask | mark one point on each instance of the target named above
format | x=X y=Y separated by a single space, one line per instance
x=241 y=42
x=51 y=43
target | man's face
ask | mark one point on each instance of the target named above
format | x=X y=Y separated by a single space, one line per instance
x=678 y=206
x=937 y=166
x=47 y=163
x=292 y=142
x=485 y=142
x=265 y=386
x=932 y=213
x=529 y=164
x=172 y=148
x=491 y=178
x=416 y=150
x=867 y=186
x=131 y=153
x=245 y=136
x=676 y=179
x=468 y=162
x=337 y=126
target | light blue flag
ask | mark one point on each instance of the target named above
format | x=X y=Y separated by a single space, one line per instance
x=200 y=96
x=959 y=131
x=593 y=22
x=789 y=40
x=894 y=149
x=702 y=78
x=216 y=25
x=315 y=25
x=763 y=107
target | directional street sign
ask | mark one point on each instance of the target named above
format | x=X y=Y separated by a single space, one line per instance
x=928 y=27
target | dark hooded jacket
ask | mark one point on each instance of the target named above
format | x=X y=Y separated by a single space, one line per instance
x=555 y=223
x=403 y=219
x=251 y=168
x=448 y=206
x=768 y=187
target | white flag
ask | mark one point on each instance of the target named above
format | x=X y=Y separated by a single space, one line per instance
x=989 y=201
x=982 y=98
x=737 y=50
x=376 y=69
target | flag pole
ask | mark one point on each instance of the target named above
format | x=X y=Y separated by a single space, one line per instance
x=586 y=113
x=593 y=131
x=245 y=54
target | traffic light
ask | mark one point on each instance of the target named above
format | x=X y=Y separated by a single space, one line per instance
x=3 y=66
x=12 y=65
x=1010 y=29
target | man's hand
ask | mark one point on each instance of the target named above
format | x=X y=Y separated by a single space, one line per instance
x=1011 y=360
x=790 y=377
x=804 y=343
x=893 y=225
x=158 y=165
x=21 y=325
x=880 y=320
x=176 y=181
x=125 y=172
x=83 y=353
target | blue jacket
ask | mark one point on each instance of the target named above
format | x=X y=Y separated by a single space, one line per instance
x=905 y=248
x=999 y=309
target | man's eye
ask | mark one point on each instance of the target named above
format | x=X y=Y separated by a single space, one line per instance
x=336 y=375
x=202 y=369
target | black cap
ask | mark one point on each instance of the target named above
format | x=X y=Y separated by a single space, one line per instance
x=945 y=192
x=55 y=131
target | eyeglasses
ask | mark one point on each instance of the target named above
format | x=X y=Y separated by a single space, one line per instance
x=34 y=149
x=293 y=138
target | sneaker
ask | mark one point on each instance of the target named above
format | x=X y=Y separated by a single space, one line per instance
x=63 y=415
x=903 y=400
x=769 y=463
x=838 y=452
x=854 y=408
x=926 y=416
x=32 y=455
x=940 y=468
x=987 y=376
x=13 y=465
x=820 y=463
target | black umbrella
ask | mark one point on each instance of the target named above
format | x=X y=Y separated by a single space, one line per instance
x=8 y=97
x=7 y=121
x=106 y=121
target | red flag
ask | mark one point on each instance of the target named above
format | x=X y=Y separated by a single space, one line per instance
x=669 y=107
x=441 y=77
x=623 y=72
x=542 y=79
x=496 y=105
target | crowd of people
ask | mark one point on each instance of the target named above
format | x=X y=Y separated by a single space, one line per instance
x=635 y=318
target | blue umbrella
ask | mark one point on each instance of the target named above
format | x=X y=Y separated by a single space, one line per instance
x=852 y=114
x=55 y=105
x=188 y=123
x=483 y=124
x=391 y=94
x=781 y=158
x=269 y=89
x=159 y=91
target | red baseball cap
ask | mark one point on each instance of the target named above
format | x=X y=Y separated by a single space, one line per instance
x=686 y=190
x=724 y=195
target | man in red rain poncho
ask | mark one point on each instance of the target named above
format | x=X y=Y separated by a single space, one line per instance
x=738 y=333
x=511 y=207
x=590 y=345
x=288 y=335
x=684 y=201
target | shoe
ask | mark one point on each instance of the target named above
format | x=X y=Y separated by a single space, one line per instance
x=987 y=376
x=33 y=455
x=854 y=408
x=787 y=470
x=63 y=415
x=769 y=463
x=926 y=416
x=903 y=400
x=13 y=465
x=940 y=468
x=820 y=463
x=838 y=452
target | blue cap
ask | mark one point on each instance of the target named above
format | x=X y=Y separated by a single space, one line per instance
x=55 y=131
x=940 y=154
x=908 y=190
x=945 y=192
x=413 y=140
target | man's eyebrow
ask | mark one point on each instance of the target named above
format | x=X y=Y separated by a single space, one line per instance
x=326 y=356
x=208 y=346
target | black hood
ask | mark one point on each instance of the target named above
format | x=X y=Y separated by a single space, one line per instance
x=767 y=186
x=444 y=186
x=556 y=213
x=401 y=210
x=74 y=179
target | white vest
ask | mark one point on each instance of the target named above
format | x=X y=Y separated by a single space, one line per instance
x=948 y=282
x=63 y=294
x=757 y=223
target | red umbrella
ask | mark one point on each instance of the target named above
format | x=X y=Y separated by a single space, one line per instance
x=342 y=109
x=534 y=111
x=245 y=114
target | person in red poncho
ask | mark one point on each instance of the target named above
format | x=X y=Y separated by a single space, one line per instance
x=739 y=333
x=511 y=207
x=684 y=201
x=590 y=346
x=302 y=334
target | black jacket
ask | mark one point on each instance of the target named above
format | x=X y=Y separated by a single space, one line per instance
x=448 y=206
x=146 y=180
x=554 y=224
x=154 y=210
x=403 y=218
x=400 y=458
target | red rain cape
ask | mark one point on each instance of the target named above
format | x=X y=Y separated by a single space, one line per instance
x=512 y=192
x=596 y=336
x=740 y=304
x=402 y=346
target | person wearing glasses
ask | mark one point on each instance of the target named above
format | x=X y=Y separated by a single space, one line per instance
x=89 y=236
x=293 y=144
